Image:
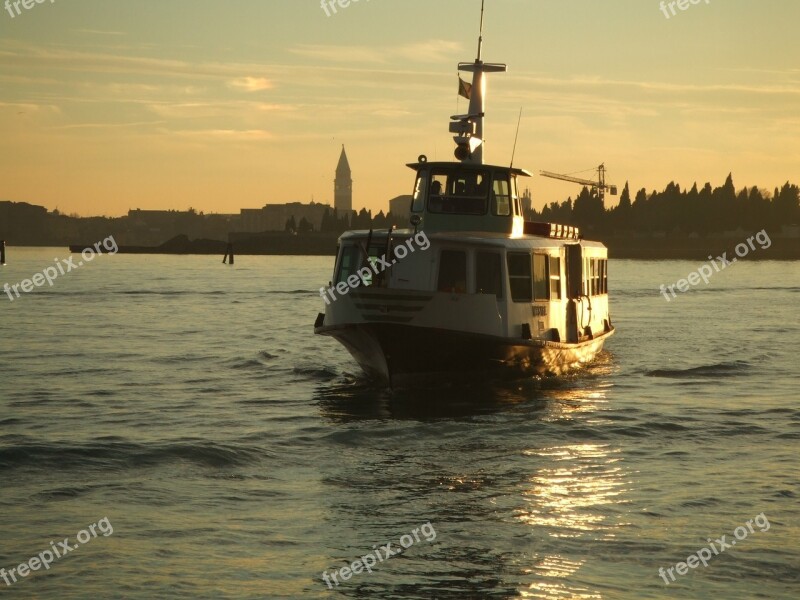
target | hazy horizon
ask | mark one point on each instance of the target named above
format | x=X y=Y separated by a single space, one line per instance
x=107 y=107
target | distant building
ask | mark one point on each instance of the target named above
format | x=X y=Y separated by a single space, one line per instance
x=343 y=185
x=400 y=207
x=155 y=218
x=252 y=220
x=20 y=221
x=527 y=204
x=273 y=217
x=152 y=227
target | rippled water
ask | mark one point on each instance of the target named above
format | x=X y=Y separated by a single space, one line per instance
x=237 y=455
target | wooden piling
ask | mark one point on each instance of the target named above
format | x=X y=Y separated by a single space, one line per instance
x=228 y=253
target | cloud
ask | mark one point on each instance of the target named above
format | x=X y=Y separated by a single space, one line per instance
x=233 y=135
x=250 y=84
x=228 y=109
x=100 y=126
x=29 y=107
x=432 y=51
x=334 y=53
x=24 y=57
x=98 y=32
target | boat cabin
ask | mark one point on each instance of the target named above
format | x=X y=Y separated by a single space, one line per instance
x=452 y=196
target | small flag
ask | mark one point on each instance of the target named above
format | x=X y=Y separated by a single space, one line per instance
x=464 y=88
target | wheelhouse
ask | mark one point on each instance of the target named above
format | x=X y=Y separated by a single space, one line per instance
x=467 y=197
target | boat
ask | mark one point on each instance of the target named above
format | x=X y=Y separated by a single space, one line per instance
x=469 y=288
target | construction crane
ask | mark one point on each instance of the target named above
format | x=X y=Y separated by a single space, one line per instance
x=599 y=186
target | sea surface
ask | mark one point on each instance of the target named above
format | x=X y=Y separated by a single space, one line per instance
x=187 y=405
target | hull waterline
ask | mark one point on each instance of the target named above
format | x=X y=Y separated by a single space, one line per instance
x=405 y=356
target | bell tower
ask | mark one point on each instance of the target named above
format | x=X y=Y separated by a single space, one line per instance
x=343 y=186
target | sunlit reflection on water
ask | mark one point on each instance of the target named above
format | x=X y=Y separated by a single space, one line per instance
x=553 y=590
x=575 y=496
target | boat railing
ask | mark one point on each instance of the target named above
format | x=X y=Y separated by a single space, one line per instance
x=552 y=230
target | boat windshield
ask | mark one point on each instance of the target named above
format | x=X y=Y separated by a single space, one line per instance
x=354 y=263
x=459 y=192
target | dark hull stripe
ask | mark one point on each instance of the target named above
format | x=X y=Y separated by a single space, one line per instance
x=388 y=318
x=390 y=307
x=390 y=297
x=406 y=355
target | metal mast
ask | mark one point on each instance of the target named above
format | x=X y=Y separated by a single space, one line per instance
x=469 y=128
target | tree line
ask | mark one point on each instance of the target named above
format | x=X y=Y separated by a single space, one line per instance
x=696 y=210
x=333 y=222
x=674 y=210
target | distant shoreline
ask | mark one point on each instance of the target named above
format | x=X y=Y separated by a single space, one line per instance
x=324 y=244
x=698 y=249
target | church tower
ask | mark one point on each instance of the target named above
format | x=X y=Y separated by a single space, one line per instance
x=343 y=186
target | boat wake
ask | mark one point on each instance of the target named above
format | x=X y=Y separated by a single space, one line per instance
x=726 y=369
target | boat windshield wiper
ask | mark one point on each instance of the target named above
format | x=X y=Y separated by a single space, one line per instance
x=365 y=250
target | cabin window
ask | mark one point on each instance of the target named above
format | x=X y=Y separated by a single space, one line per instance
x=438 y=186
x=596 y=276
x=519 y=276
x=587 y=276
x=418 y=203
x=501 y=198
x=514 y=193
x=541 y=278
x=488 y=275
x=459 y=192
x=603 y=276
x=599 y=275
x=555 y=277
x=353 y=259
x=375 y=252
x=349 y=263
x=453 y=272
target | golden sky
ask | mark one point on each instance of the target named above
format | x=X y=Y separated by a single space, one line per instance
x=111 y=105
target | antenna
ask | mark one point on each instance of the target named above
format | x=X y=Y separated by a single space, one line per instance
x=516 y=136
x=480 y=34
